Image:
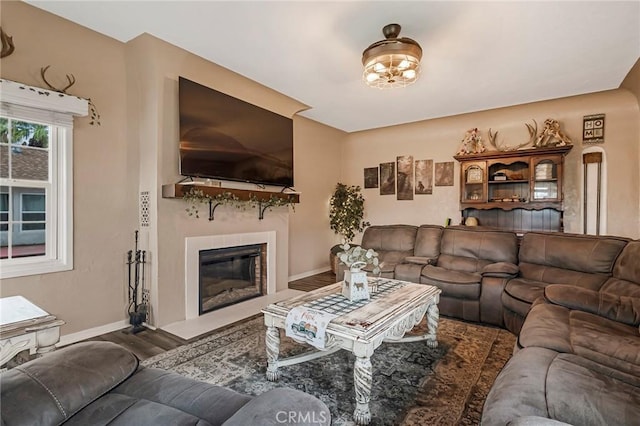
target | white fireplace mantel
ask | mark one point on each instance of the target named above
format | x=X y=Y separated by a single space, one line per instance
x=193 y=246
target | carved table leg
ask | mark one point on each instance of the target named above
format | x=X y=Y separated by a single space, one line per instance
x=362 y=371
x=46 y=339
x=433 y=314
x=273 y=350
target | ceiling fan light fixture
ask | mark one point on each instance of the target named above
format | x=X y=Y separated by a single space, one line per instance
x=392 y=62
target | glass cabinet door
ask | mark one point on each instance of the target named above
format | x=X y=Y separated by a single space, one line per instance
x=474 y=182
x=546 y=179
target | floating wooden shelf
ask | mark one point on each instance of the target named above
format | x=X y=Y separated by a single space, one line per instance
x=178 y=190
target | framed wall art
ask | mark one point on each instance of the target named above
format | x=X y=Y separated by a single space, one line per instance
x=387 y=178
x=424 y=176
x=405 y=177
x=371 y=177
x=593 y=128
x=444 y=174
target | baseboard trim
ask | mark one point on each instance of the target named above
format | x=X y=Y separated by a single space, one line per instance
x=309 y=273
x=68 y=339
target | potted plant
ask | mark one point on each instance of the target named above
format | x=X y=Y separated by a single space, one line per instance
x=345 y=216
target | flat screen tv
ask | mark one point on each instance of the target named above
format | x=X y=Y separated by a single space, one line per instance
x=222 y=137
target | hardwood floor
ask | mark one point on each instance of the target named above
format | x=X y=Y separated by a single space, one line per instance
x=148 y=343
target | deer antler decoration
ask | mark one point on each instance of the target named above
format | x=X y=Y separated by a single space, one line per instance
x=7 y=44
x=70 y=78
x=533 y=130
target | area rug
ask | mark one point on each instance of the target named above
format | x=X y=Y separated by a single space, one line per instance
x=412 y=384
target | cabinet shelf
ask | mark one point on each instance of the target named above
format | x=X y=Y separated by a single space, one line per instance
x=510 y=205
x=508 y=181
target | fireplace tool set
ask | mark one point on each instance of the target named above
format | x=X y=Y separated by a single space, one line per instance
x=138 y=306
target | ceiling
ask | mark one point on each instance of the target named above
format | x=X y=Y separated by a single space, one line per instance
x=476 y=55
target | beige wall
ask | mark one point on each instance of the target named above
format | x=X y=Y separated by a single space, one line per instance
x=154 y=67
x=440 y=139
x=317 y=152
x=134 y=87
x=632 y=84
x=135 y=149
x=105 y=165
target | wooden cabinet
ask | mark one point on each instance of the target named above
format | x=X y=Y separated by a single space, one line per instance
x=514 y=190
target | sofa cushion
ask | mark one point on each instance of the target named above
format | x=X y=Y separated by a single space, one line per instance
x=589 y=254
x=556 y=275
x=617 y=308
x=123 y=410
x=428 y=238
x=547 y=326
x=63 y=382
x=579 y=394
x=626 y=273
x=382 y=238
x=627 y=266
x=519 y=389
x=524 y=290
x=490 y=246
x=420 y=260
x=214 y=404
x=500 y=270
x=564 y=387
x=441 y=274
x=456 y=284
x=598 y=339
x=621 y=287
x=461 y=263
x=606 y=342
x=266 y=410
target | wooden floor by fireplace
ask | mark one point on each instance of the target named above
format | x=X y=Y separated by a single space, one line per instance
x=148 y=343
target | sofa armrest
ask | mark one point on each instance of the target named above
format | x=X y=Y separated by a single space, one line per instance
x=420 y=260
x=51 y=389
x=622 y=309
x=282 y=406
x=500 y=270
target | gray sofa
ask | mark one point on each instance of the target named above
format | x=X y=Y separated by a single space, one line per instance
x=555 y=258
x=101 y=383
x=573 y=301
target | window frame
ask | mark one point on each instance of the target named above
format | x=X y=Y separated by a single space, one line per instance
x=26 y=103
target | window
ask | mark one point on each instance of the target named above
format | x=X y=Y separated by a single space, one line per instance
x=35 y=181
x=4 y=212
x=33 y=212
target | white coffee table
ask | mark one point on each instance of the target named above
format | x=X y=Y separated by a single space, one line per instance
x=396 y=308
x=23 y=325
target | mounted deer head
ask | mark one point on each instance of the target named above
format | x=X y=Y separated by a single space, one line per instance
x=7 y=44
x=70 y=78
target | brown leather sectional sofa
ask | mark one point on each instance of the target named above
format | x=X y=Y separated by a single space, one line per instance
x=573 y=301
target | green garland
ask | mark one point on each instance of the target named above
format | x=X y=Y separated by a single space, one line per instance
x=196 y=196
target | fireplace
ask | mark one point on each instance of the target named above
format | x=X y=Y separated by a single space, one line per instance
x=231 y=275
x=206 y=245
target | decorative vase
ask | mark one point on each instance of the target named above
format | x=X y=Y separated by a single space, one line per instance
x=355 y=285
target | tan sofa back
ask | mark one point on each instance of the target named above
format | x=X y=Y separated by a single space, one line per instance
x=469 y=250
x=582 y=260
x=392 y=242
x=428 y=239
x=626 y=272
